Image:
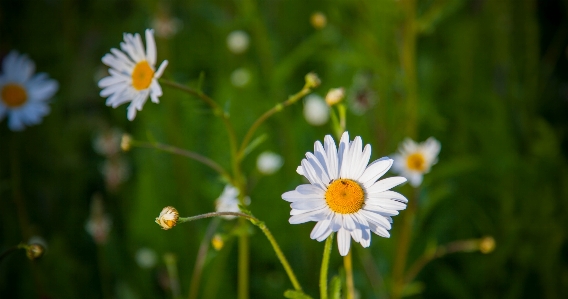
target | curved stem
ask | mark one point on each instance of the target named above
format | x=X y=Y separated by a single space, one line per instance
x=200 y=260
x=325 y=266
x=266 y=232
x=217 y=110
x=291 y=100
x=178 y=151
x=348 y=264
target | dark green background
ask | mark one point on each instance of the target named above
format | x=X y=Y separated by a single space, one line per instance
x=492 y=86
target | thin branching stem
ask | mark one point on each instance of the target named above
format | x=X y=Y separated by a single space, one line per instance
x=266 y=232
x=189 y=154
x=291 y=100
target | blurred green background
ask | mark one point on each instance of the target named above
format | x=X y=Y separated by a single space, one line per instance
x=488 y=78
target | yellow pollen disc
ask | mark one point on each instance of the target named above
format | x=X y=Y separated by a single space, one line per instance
x=142 y=75
x=416 y=162
x=14 y=95
x=345 y=196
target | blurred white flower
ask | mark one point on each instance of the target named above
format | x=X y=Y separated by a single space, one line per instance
x=115 y=172
x=361 y=95
x=99 y=224
x=146 y=258
x=166 y=26
x=413 y=159
x=133 y=76
x=107 y=142
x=269 y=163
x=23 y=95
x=228 y=201
x=316 y=110
x=240 y=77
x=238 y=41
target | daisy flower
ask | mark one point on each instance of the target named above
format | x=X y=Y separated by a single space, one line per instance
x=23 y=95
x=413 y=159
x=133 y=76
x=228 y=201
x=344 y=195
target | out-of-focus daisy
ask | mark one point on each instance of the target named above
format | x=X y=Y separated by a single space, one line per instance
x=146 y=258
x=228 y=201
x=413 y=159
x=334 y=96
x=133 y=77
x=316 y=111
x=107 y=142
x=99 y=223
x=23 y=95
x=268 y=163
x=115 y=171
x=344 y=195
x=361 y=96
x=238 y=41
x=240 y=77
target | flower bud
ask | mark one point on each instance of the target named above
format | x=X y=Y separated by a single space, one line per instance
x=486 y=245
x=217 y=242
x=126 y=142
x=334 y=96
x=34 y=251
x=168 y=218
x=312 y=80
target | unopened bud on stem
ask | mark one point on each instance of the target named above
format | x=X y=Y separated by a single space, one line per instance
x=168 y=218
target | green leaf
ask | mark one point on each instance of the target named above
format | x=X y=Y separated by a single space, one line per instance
x=256 y=142
x=292 y=294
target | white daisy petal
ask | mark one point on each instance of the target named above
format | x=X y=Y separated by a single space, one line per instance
x=342 y=153
x=315 y=215
x=375 y=170
x=311 y=174
x=308 y=204
x=331 y=152
x=343 y=241
x=386 y=184
x=150 y=47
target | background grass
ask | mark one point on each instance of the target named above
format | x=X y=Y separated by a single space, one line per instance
x=491 y=85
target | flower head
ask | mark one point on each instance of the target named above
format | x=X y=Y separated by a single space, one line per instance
x=238 y=41
x=344 y=195
x=133 y=76
x=23 y=95
x=269 y=163
x=168 y=218
x=413 y=159
x=228 y=201
x=316 y=111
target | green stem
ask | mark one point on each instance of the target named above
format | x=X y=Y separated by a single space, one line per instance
x=291 y=100
x=217 y=110
x=403 y=245
x=200 y=260
x=243 y=283
x=348 y=264
x=178 y=151
x=325 y=266
x=266 y=232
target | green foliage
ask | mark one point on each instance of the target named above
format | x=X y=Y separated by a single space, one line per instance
x=491 y=83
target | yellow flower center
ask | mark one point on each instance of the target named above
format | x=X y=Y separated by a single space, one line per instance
x=345 y=196
x=142 y=75
x=416 y=162
x=14 y=95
